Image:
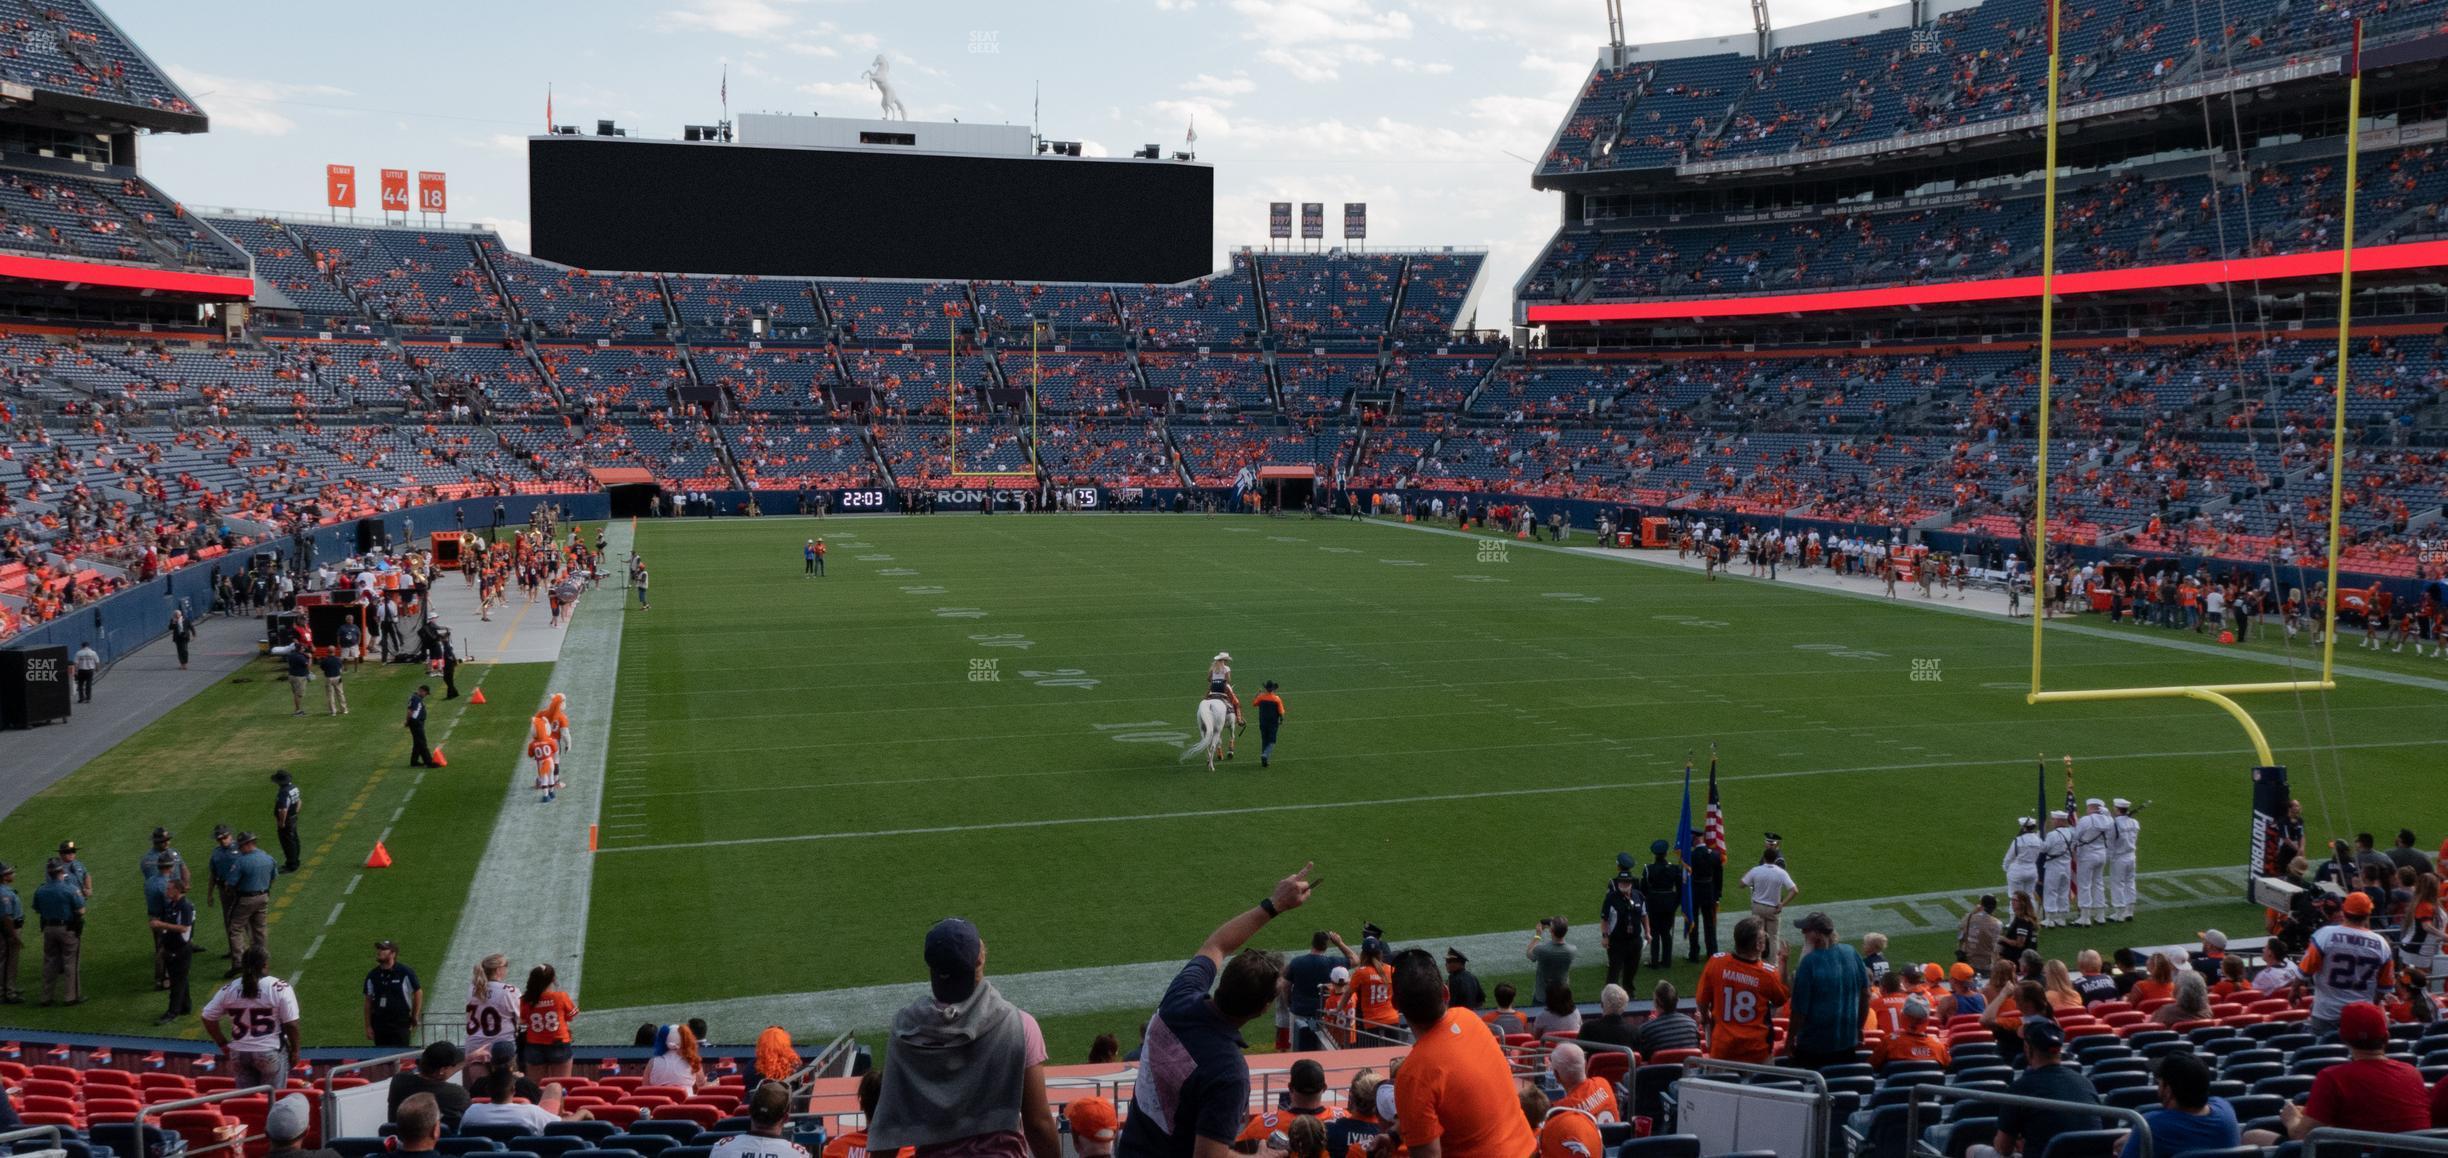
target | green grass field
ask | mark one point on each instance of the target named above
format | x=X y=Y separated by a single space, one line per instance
x=984 y=716
x=1470 y=741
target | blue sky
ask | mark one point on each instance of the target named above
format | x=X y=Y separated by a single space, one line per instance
x=1411 y=107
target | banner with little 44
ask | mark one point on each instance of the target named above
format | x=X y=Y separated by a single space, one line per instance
x=395 y=190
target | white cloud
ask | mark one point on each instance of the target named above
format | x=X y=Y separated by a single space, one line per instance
x=514 y=233
x=1316 y=20
x=1209 y=117
x=749 y=18
x=241 y=105
x=1223 y=86
x=1094 y=149
x=1321 y=63
x=511 y=143
x=1175 y=5
x=1422 y=67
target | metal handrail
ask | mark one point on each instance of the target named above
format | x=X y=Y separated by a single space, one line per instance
x=9 y=1140
x=150 y=1112
x=2320 y=1135
x=331 y=1087
x=1926 y=1094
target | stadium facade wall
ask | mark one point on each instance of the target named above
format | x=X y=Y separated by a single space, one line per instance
x=139 y=615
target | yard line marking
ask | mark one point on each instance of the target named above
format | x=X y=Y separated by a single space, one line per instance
x=1432 y=798
x=530 y=843
x=351 y=890
x=334 y=919
x=398 y=812
x=1101 y=988
x=311 y=950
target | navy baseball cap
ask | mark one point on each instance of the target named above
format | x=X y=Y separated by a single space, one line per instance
x=953 y=950
x=2043 y=1033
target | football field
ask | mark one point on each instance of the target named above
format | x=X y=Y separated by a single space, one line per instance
x=983 y=716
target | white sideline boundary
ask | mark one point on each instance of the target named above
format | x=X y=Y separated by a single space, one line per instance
x=1820 y=581
x=1136 y=988
x=530 y=895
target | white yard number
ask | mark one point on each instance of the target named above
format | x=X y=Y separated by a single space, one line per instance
x=1061 y=677
x=1689 y=621
x=1144 y=732
x=922 y=590
x=1840 y=651
x=1019 y=642
x=959 y=613
x=1569 y=596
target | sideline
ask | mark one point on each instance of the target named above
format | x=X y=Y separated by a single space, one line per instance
x=530 y=894
x=1094 y=989
x=1986 y=605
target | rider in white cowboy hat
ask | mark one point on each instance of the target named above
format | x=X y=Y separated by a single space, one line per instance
x=1219 y=686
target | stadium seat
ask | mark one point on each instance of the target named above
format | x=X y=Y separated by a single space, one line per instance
x=699 y=1115
x=1952 y=1139
x=1649 y=1084
x=680 y=1131
x=619 y=1114
x=648 y=1145
x=593 y=1132
x=463 y=1144
x=604 y=1154
x=496 y=1132
x=689 y=1152
x=358 y=1147
x=1661 y=1146
x=547 y=1146
x=2085 y=1144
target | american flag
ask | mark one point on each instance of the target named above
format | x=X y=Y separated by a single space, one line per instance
x=1712 y=830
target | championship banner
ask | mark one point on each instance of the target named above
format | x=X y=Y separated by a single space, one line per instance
x=2270 y=799
x=1279 y=220
x=1313 y=220
x=433 y=192
x=395 y=190
x=340 y=186
x=1355 y=220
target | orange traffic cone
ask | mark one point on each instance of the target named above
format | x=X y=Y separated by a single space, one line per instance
x=438 y=761
x=381 y=857
x=475 y=697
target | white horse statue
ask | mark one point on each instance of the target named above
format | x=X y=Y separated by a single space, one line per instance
x=1214 y=718
x=879 y=74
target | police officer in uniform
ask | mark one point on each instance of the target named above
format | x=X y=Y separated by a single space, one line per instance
x=216 y=894
x=174 y=931
x=249 y=886
x=285 y=818
x=419 y=755
x=1620 y=919
x=62 y=908
x=75 y=869
x=1708 y=888
x=12 y=936
x=1662 y=890
x=157 y=899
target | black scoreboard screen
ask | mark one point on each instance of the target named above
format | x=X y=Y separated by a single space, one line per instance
x=614 y=203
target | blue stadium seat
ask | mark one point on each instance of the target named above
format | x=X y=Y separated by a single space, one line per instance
x=591 y=1131
x=467 y=1144
x=649 y=1145
x=678 y=1130
x=552 y=1145
x=495 y=1131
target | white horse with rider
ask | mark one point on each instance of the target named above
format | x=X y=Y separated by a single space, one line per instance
x=1219 y=714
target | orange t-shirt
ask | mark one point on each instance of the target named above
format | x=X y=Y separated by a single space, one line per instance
x=547 y=1022
x=1566 y=1134
x=1595 y=1097
x=1908 y=1047
x=1457 y=1089
x=854 y=1145
x=1373 y=994
x=1268 y=1122
x=2149 y=990
x=1886 y=1013
x=1741 y=999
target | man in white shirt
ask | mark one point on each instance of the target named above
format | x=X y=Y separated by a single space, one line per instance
x=1772 y=888
x=501 y=1107
x=86 y=662
x=769 y=1120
